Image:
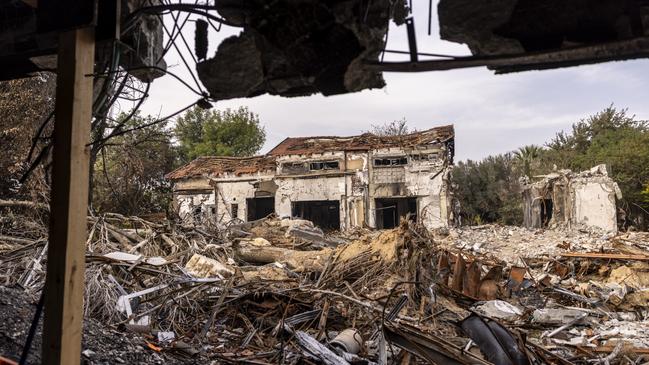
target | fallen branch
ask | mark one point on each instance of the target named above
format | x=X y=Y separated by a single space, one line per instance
x=299 y=261
x=24 y=241
x=23 y=204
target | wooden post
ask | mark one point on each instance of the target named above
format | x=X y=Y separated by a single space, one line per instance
x=69 y=201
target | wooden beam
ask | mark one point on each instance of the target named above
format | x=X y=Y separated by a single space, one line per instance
x=605 y=256
x=69 y=201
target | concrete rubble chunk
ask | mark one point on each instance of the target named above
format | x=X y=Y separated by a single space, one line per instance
x=132 y=258
x=200 y=266
x=298 y=48
x=556 y=315
x=499 y=309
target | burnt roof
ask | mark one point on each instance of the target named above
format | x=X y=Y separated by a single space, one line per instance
x=363 y=142
x=219 y=165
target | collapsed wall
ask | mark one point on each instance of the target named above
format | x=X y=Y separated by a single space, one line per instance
x=576 y=200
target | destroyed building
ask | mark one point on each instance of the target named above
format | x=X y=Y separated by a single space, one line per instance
x=574 y=200
x=336 y=182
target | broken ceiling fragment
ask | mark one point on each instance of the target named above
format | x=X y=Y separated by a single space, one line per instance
x=298 y=48
x=594 y=30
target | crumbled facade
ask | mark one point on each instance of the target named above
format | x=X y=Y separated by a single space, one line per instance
x=574 y=200
x=336 y=182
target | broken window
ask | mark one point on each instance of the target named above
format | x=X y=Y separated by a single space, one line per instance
x=323 y=213
x=210 y=210
x=234 y=211
x=425 y=157
x=293 y=167
x=390 y=212
x=198 y=213
x=391 y=161
x=324 y=165
x=259 y=208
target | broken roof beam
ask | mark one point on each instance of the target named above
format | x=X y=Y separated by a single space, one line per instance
x=564 y=57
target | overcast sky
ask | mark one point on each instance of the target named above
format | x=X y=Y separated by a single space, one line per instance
x=491 y=113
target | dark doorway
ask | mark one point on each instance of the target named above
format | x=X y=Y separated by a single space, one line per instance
x=389 y=212
x=259 y=208
x=546 y=211
x=323 y=213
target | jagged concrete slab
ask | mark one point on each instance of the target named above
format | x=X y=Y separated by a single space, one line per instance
x=298 y=48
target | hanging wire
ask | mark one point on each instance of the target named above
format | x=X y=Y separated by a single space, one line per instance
x=430 y=16
x=146 y=125
x=191 y=72
x=165 y=71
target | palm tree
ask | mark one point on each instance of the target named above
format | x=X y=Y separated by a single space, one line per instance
x=526 y=156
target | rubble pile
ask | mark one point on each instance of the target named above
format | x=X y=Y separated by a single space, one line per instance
x=510 y=242
x=282 y=291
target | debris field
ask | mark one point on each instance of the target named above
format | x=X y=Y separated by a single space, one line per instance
x=282 y=291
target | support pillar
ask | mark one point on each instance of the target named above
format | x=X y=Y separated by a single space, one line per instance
x=64 y=282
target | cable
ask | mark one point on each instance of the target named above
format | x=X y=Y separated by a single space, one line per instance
x=182 y=37
x=161 y=70
x=32 y=329
x=420 y=53
x=145 y=125
x=191 y=73
x=175 y=35
x=131 y=114
x=430 y=16
x=38 y=135
x=194 y=9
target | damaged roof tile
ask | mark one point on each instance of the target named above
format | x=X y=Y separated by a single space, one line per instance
x=363 y=142
x=217 y=165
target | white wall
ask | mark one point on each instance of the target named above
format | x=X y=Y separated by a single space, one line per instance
x=188 y=202
x=594 y=205
x=321 y=188
x=232 y=192
x=424 y=179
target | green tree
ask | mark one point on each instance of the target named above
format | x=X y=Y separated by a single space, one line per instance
x=202 y=132
x=25 y=105
x=488 y=190
x=527 y=157
x=129 y=170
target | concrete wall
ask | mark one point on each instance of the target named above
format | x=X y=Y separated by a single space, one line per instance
x=187 y=204
x=355 y=184
x=291 y=190
x=594 y=205
x=579 y=200
x=229 y=193
x=193 y=184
